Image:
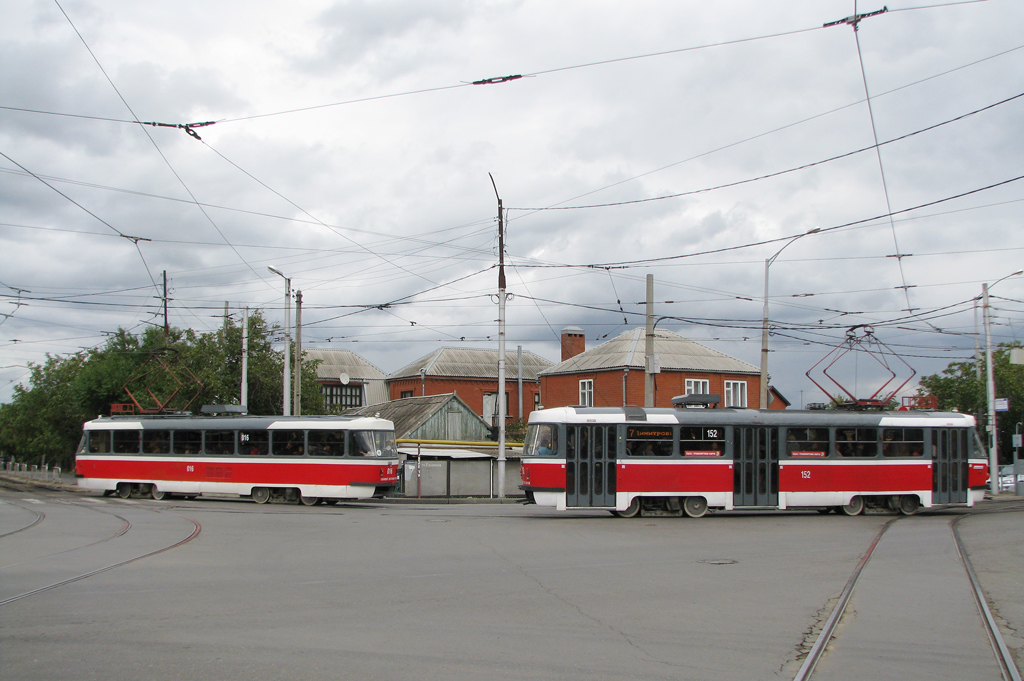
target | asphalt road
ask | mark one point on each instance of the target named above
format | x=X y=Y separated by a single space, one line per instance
x=477 y=591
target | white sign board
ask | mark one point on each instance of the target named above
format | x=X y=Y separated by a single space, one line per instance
x=1002 y=404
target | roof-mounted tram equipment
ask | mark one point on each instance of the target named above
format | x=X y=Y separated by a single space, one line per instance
x=297 y=458
x=875 y=349
x=681 y=461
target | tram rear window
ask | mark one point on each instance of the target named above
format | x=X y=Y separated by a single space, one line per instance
x=127 y=441
x=99 y=442
x=156 y=441
x=366 y=443
x=807 y=442
x=902 y=441
x=697 y=441
x=541 y=440
x=326 y=442
x=648 y=441
x=859 y=442
x=289 y=442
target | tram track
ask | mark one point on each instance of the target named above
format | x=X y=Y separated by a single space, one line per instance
x=1003 y=655
x=126 y=526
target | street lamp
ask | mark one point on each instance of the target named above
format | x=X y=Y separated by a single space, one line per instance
x=990 y=389
x=287 y=393
x=763 y=403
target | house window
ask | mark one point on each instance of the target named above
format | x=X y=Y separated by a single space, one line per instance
x=587 y=392
x=736 y=393
x=343 y=396
x=698 y=386
x=406 y=393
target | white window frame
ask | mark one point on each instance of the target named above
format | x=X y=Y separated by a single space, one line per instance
x=698 y=386
x=586 y=392
x=736 y=394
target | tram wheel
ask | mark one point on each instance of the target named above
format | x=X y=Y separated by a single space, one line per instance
x=855 y=507
x=695 y=507
x=124 y=489
x=909 y=503
x=157 y=494
x=309 y=501
x=632 y=510
x=260 y=495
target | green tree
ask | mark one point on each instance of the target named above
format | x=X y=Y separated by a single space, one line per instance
x=43 y=421
x=959 y=387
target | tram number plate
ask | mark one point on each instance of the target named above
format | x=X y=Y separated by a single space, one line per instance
x=806 y=475
x=190 y=469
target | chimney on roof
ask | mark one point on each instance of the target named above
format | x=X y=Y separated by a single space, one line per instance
x=574 y=342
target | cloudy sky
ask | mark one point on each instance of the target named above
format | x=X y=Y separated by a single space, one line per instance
x=353 y=142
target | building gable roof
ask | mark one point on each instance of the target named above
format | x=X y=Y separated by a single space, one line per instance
x=472 y=363
x=675 y=352
x=334 y=363
x=409 y=413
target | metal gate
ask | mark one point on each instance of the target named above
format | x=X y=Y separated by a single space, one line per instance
x=590 y=467
x=949 y=465
x=755 y=467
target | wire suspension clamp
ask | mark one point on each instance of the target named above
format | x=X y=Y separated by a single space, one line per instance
x=187 y=127
x=855 y=19
x=499 y=79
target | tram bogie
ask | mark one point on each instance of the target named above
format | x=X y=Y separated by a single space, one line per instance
x=301 y=460
x=688 y=462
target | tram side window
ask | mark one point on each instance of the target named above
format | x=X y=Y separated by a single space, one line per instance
x=156 y=442
x=326 y=442
x=288 y=443
x=807 y=442
x=648 y=441
x=127 y=441
x=857 y=442
x=99 y=442
x=902 y=442
x=253 y=442
x=696 y=441
x=187 y=442
x=220 y=442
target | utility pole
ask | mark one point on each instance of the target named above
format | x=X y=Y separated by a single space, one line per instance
x=501 y=344
x=286 y=393
x=245 y=359
x=297 y=399
x=990 y=391
x=167 y=328
x=649 y=346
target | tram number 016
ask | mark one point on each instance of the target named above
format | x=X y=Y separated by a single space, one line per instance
x=190 y=469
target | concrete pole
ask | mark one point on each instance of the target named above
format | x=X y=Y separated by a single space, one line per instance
x=990 y=384
x=297 y=400
x=649 y=345
x=245 y=358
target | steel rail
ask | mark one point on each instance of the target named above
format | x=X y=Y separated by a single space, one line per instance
x=195 y=533
x=1004 y=657
x=814 y=654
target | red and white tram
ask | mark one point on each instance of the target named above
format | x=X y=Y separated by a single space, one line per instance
x=300 y=458
x=679 y=461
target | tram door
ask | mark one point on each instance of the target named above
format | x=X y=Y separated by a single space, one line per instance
x=949 y=465
x=755 y=467
x=590 y=466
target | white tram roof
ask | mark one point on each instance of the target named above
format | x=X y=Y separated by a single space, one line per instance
x=754 y=417
x=182 y=422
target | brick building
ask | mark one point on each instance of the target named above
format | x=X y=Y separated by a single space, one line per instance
x=612 y=374
x=472 y=374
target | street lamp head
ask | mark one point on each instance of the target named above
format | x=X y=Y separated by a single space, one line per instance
x=277 y=271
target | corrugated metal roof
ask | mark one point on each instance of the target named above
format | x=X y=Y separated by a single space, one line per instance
x=410 y=413
x=675 y=352
x=335 y=362
x=473 y=363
